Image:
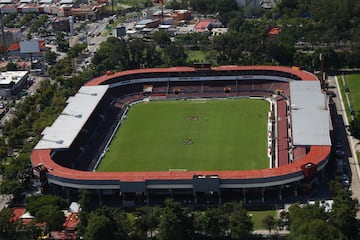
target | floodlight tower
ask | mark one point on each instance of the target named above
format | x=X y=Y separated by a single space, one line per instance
x=162 y=11
x=322 y=79
x=2 y=27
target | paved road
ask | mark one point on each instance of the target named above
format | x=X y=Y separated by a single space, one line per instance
x=349 y=143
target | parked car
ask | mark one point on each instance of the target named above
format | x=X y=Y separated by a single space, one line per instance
x=345 y=180
x=339 y=153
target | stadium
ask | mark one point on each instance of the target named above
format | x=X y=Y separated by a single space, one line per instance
x=294 y=136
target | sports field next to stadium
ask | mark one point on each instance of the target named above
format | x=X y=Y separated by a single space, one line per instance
x=178 y=135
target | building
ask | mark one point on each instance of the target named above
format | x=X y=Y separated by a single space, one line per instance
x=120 y=31
x=147 y=23
x=11 y=82
x=61 y=24
x=206 y=25
x=12 y=35
x=182 y=15
x=15 y=52
x=65 y=159
x=218 y=31
x=274 y=31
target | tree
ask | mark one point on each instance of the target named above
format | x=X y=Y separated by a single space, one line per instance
x=122 y=225
x=354 y=126
x=174 y=224
x=47 y=208
x=7 y=226
x=52 y=215
x=32 y=231
x=162 y=38
x=112 y=55
x=28 y=36
x=11 y=67
x=14 y=187
x=63 y=45
x=110 y=224
x=99 y=227
x=283 y=220
x=174 y=55
x=240 y=224
x=236 y=23
x=269 y=222
x=85 y=199
x=146 y=221
x=36 y=202
x=343 y=214
x=211 y=222
x=311 y=222
x=316 y=229
x=50 y=57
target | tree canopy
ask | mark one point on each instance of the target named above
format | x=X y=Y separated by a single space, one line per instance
x=354 y=126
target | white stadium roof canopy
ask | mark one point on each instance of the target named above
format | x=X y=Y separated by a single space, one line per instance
x=67 y=126
x=309 y=114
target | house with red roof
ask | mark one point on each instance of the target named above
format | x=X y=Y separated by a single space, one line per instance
x=15 y=53
x=71 y=222
x=207 y=24
x=274 y=31
x=69 y=226
x=20 y=214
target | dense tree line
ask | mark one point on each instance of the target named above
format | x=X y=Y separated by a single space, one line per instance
x=174 y=221
x=170 y=221
x=313 y=222
x=229 y=221
x=307 y=28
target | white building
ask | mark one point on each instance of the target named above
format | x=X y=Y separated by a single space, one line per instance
x=11 y=82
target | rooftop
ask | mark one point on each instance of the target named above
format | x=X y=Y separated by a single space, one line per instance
x=75 y=114
x=309 y=113
x=71 y=221
x=11 y=76
x=274 y=31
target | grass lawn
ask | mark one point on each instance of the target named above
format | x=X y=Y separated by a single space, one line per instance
x=193 y=135
x=196 y=55
x=343 y=95
x=353 y=82
x=258 y=216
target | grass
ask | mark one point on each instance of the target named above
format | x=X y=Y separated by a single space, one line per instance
x=193 y=135
x=258 y=216
x=343 y=95
x=353 y=82
x=196 y=56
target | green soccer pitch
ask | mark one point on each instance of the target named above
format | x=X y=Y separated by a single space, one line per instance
x=222 y=134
